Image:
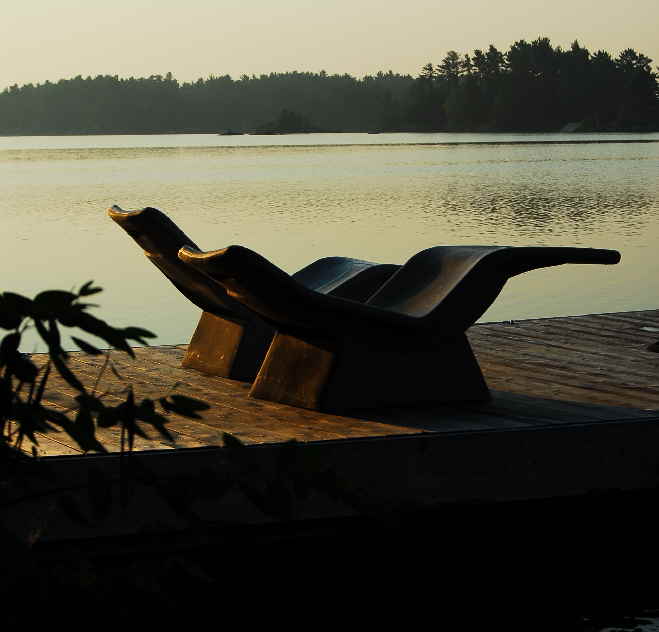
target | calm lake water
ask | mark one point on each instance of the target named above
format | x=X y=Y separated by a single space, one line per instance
x=296 y=198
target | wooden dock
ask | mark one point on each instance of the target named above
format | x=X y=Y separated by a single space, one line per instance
x=549 y=369
x=575 y=410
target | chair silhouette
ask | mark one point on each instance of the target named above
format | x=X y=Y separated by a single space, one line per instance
x=231 y=340
x=405 y=344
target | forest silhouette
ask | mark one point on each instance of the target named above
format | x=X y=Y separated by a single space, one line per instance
x=533 y=86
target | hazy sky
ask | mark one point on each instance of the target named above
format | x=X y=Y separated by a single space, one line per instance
x=48 y=39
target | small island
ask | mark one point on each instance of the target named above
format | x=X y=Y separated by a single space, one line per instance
x=288 y=122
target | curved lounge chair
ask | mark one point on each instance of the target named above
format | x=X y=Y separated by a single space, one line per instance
x=406 y=344
x=231 y=340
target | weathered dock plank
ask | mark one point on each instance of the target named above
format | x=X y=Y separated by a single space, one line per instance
x=597 y=359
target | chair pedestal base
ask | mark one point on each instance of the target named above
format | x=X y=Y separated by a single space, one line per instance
x=351 y=374
x=227 y=349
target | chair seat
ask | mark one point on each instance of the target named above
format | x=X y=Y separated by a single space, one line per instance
x=444 y=289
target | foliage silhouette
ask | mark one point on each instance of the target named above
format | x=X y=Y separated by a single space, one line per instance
x=23 y=410
x=26 y=413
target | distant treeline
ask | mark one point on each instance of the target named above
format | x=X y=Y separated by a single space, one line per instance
x=531 y=87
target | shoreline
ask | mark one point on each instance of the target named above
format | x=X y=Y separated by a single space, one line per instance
x=254 y=133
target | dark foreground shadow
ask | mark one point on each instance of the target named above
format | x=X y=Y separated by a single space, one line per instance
x=573 y=565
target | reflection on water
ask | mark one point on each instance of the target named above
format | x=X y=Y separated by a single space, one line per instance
x=296 y=203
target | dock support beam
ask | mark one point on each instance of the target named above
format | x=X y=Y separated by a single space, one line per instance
x=336 y=376
x=226 y=348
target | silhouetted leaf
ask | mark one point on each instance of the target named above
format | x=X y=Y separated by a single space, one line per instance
x=17 y=304
x=52 y=302
x=108 y=417
x=84 y=306
x=136 y=333
x=182 y=405
x=42 y=384
x=85 y=430
x=55 y=337
x=159 y=425
x=133 y=429
x=24 y=369
x=51 y=336
x=59 y=418
x=86 y=347
x=146 y=412
x=67 y=374
x=192 y=402
x=9 y=348
x=147 y=407
x=71 y=316
x=128 y=417
x=166 y=404
x=87 y=289
x=10 y=318
x=90 y=402
x=97 y=327
x=183 y=402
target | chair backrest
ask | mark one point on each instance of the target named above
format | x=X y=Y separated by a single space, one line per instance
x=152 y=230
x=455 y=285
x=161 y=239
x=428 y=278
x=446 y=284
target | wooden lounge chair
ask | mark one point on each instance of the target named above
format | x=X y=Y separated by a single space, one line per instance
x=230 y=339
x=405 y=345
